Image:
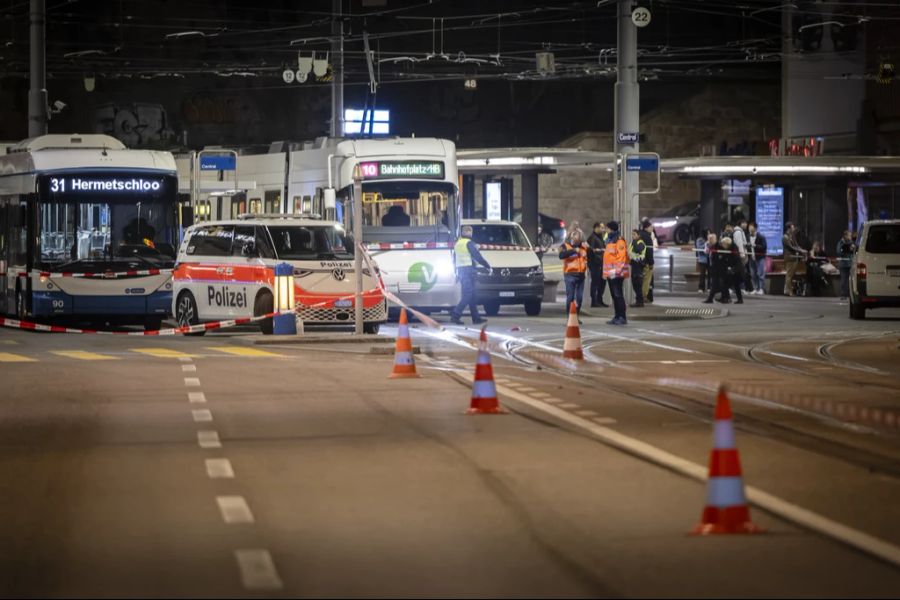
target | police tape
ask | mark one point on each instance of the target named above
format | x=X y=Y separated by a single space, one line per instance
x=103 y=275
x=441 y=246
x=202 y=327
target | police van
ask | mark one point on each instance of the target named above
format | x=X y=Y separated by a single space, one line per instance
x=225 y=270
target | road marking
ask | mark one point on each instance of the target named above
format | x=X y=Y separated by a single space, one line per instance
x=196 y=397
x=185 y=358
x=257 y=570
x=605 y=420
x=640 y=341
x=234 y=509
x=208 y=438
x=162 y=352
x=552 y=400
x=202 y=415
x=540 y=395
x=587 y=413
x=82 y=355
x=10 y=357
x=241 y=351
x=191 y=382
x=188 y=368
x=219 y=468
x=9 y=342
x=569 y=405
x=526 y=389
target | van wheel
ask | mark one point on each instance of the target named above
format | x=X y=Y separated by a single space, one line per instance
x=857 y=310
x=492 y=309
x=186 y=313
x=371 y=328
x=682 y=235
x=264 y=304
x=533 y=308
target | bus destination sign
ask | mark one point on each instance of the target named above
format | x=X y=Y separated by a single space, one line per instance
x=141 y=184
x=403 y=169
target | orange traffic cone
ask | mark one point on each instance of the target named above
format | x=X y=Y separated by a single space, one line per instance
x=484 y=392
x=726 y=505
x=404 y=364
x=572 y=344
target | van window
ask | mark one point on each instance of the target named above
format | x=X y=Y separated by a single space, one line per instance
x=211 y=241
x=499 y=235
x=309 y=243
x=883 y=239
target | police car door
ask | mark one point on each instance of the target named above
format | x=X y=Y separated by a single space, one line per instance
x=215 y=251
x=244 y=273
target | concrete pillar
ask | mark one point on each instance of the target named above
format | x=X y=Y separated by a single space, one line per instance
x=530 y=205
x=37 y=92
x=710 y=204
x=468 y=196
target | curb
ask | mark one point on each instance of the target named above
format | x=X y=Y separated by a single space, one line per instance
x=365 y=338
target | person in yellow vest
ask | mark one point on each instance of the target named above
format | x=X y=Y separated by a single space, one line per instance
x=465 y=255
x=615 y=270
x=574 y=254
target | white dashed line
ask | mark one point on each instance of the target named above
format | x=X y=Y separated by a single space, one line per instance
x=202 y=416
x=552 y=400
x=605 y=420
x=196 y=397
x=587 y=413
x=569 y=405
x=208 y=439
x=191 y=381
x=258 y=570
x=219 y=468
x=188 y=368
x=234 y=509
x=185 y=358
x=540 y=395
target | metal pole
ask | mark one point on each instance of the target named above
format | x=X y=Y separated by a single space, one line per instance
x=627 y=120
x=337 y=81
x=357 y=254
x=671 y=270
x=37 y=92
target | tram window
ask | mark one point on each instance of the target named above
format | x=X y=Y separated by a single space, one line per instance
x=256 y=206
x=211 y=241
x=273 y=202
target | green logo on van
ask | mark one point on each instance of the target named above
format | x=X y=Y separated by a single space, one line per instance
x=423 y=274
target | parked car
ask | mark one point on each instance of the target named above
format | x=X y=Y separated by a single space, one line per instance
x=679 y=225
x=875 y=276
x=551 y=231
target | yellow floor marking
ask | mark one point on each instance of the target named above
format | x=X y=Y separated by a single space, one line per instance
x=241 y=351
x=10 y=357
x=9 y=342
x=162 y=352
x=82 y=355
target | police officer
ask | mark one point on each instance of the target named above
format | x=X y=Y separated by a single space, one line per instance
x=637 y=251
x=616 y=270
x=465 y=252
x=574 y=254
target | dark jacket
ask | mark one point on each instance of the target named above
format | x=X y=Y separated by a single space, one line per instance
x=477 y=258
x=597 y=245
x=648 y=242
x=760 y=246
x=845 y=253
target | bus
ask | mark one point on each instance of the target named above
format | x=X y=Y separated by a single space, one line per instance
x=88 y=229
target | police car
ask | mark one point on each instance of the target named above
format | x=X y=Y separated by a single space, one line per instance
x=225 y=270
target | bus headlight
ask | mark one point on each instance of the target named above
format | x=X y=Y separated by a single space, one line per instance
x=535 y=271
x=444 y=268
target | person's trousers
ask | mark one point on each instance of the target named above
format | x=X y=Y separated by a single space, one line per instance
x=704 y=276
x=790 y=267
x=845 y=281
x=637 y=284
x=598 y=284
x=618 y=297
x=466 y=277
x=648 y=279
x=758 y=273
x=574 y=289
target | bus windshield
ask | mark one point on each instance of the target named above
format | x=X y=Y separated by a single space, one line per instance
x=408 y=211
x=311 y=243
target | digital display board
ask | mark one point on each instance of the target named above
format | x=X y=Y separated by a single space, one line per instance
x=405 y=169
x=101 y=184
x=770 y=217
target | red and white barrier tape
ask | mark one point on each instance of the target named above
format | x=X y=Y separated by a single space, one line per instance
x=439 y=245
x=103 y=275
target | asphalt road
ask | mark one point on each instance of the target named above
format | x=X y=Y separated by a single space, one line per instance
x=199 y=467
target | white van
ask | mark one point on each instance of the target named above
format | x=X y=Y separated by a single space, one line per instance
x=875 y=276
x=225 y=270
x=517 y=277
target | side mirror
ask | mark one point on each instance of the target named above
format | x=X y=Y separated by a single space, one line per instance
x=248 y=250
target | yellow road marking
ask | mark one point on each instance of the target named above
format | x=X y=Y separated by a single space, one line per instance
x=82 y=355
x=162 y=352
x=10 y=357
x=241 y=351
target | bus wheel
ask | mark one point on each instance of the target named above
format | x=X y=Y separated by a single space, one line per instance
x=186 y=313
x=264 y=305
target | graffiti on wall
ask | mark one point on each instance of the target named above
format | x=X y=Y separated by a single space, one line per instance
x=138 y=125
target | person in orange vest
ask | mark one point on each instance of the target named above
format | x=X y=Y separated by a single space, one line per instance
x=615 y=271
x=574 y=254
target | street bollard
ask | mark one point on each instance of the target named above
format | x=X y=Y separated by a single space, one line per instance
x=671 y=270
x=284 y=324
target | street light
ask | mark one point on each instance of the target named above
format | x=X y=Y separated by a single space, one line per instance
x=285 y=302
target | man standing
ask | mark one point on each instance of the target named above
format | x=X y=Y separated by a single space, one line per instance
x=740 y=241
x=574 y=254
x=758 y=249
x=615 y=270
x=845 y=250
x=464 y=253
x=793 y=253
x=597 y=243
x=647 y=237
x=637 y=251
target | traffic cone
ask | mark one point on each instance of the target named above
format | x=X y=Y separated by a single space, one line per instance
x=404 y=364
x=484 y=392
x=726 y=505
x=572 y=344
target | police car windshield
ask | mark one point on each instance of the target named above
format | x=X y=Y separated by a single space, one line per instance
x=310 y=243
x=499 y=235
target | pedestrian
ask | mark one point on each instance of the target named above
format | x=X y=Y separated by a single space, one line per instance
x=758 y=250
x=648 y=238
x=574 y=254
x=792 y=255
x=816 y=281
x=731 y=270
x=702 y=261
x=465 y=255
x=597 y=243
x=637 y=252
x=715 y=262
x=740 y=242
x=845 y=250
x=615 y=270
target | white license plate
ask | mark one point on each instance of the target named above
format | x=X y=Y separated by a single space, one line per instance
x=343 y=303
x=507 y=294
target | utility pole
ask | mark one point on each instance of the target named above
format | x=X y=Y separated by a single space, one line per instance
x=337 y=72
x=626 y=126
x=37 y=91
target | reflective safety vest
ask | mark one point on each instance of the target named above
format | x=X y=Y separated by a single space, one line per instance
x=461 y=252
x=615 y=260
x=577 y=263
x=634 y=254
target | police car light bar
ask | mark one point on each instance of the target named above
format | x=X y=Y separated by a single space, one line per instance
x=246 y=216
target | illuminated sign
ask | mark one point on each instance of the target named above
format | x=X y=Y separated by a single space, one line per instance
x=407 y=169
x=770 y=217
x=75 y=183
x=218 y=163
